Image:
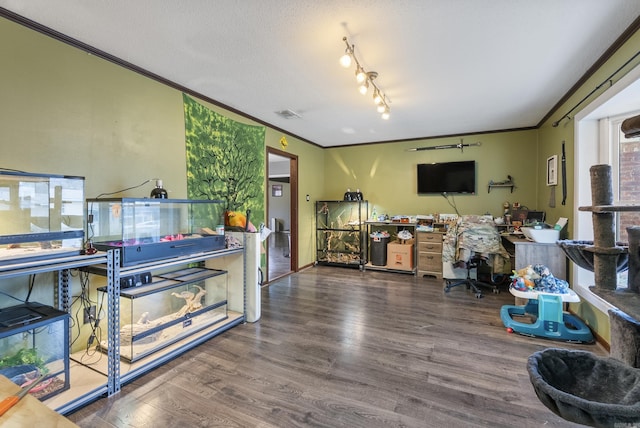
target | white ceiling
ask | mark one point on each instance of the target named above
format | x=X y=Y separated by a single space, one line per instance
x=448 y=66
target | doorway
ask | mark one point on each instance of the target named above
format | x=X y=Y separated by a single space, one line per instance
x=281 y=245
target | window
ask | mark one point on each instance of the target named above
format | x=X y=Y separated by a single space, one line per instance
x=598 y=140
x=625 y=169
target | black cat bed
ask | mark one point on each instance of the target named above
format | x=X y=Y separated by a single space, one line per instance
x=581 y=253
x=584 y=388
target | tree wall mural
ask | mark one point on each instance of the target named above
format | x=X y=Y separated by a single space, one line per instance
x=225 y=160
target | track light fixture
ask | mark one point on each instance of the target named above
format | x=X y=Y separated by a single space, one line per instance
x=377 y=98
x=365 y=79
x=345 y=60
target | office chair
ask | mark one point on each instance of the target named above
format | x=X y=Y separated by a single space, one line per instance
x=473 y=241
x=474 y=284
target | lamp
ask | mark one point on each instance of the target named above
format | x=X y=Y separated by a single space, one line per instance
x=365 y=79
x=377 y=98
x=345 y=60
x=364 y=87
x=385 y=113
x=361 y=76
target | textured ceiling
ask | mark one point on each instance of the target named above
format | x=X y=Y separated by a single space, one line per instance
x=448 y=67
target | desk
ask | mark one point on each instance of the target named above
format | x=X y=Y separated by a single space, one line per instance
x=524 y=253
x=29 y=411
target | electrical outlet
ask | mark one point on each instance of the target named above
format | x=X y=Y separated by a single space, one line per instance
x=89 y=314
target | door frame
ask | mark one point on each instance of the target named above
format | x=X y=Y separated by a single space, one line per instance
x=293 y=209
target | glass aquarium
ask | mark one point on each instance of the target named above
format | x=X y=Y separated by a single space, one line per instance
x=174 y=305
x=34 y=341
x=340 y=232
x=147 y=230
x=41 y=216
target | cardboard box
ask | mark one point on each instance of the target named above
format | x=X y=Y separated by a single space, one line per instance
x=399 y=256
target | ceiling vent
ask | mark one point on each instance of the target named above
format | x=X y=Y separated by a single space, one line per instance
x=288 y=114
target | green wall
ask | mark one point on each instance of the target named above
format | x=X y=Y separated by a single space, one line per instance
x=550 y=143
x=65 y=111
x=386 y=173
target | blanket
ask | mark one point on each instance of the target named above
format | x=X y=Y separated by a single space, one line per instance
x=472 y=235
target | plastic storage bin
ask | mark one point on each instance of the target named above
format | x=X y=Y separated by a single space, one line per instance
x=379 y=250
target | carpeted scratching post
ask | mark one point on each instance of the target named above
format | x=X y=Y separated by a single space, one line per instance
x=625 y=338
x=633 y=234
x=604 y=243
x=625 y=330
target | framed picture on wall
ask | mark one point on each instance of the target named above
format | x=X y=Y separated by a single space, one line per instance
x=276 y=190
x=552 y=170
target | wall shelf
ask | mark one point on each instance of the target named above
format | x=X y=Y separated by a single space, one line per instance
x=506 y=183
x=491 y=186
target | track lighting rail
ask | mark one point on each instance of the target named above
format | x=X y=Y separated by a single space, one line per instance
x=365 y=80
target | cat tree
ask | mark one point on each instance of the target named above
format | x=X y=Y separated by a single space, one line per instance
x=625 y=327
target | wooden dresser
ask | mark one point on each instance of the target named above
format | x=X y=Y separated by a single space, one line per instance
x=429 y=248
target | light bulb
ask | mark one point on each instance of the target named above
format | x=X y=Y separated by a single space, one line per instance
x=381 y=108
x=361 y=76
x=377 y=98
x=385 y=114
x=345 y=60
x=364 y=87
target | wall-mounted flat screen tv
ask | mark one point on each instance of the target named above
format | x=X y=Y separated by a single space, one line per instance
x=447 y=177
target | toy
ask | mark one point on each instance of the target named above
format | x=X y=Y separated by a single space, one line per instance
x=545 y=296
x=524 y=279
x=538 y=278
x=549 y=283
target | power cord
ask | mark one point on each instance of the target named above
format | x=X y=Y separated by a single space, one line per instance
x=451 y=202
x=84 y=315
x=88 y=245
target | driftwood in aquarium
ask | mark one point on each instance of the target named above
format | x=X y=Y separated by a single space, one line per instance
x=193 y=302
x=342 y=258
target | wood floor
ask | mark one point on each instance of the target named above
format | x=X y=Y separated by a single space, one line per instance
x=279 y=259
x=337 y=347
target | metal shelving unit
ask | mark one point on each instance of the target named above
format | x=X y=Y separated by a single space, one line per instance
x=395 y=227
x=341 y=238
x=93 y=386
x=93 y=379
x=120 y=371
